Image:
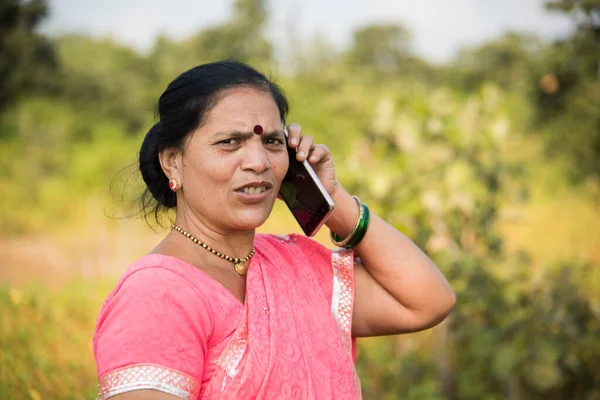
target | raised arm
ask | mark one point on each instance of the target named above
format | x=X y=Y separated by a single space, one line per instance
x=398 y=288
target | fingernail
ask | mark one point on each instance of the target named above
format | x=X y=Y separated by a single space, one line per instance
x=301 y=154
x=313 y=158
x=294 y=141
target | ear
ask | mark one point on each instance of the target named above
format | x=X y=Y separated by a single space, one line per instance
x=171 y=162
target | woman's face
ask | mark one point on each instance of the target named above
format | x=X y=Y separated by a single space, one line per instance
x=231 y=175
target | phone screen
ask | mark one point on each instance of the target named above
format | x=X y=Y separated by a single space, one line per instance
x=305 y=195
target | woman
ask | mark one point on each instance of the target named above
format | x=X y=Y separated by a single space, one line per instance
x=216 y=311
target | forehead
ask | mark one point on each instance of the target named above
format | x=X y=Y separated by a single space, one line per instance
x=242 y=107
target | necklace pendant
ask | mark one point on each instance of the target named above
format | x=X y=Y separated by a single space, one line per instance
x=240 y=268
x=238 y=263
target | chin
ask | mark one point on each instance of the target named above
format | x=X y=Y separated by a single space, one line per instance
x=251 y=222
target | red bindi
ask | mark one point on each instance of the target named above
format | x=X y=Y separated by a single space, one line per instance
x=258 y=129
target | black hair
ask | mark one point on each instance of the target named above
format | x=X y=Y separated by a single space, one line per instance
x=182 y=108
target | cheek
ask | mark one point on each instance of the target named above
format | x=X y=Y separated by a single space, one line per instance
x=209 y=178
x=280 y=166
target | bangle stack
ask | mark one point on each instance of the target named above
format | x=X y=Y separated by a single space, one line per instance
x=360 y=228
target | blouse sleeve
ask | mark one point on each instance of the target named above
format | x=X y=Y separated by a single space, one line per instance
x=152 y=333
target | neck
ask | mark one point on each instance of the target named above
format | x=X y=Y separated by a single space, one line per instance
x=233 y=243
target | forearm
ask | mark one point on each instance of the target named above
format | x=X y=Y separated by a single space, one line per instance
x=395 y=262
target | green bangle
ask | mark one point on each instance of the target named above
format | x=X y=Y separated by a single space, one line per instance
x=362 y=227
x=357 y=234
x=338 y=241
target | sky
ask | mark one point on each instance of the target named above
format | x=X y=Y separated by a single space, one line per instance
x=439 y=27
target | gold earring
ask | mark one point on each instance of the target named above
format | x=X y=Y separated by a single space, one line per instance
x=174 y=184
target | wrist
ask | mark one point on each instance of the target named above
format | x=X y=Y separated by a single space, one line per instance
x=343 y=220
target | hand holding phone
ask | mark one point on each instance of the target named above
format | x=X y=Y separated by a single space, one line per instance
x=305 y=195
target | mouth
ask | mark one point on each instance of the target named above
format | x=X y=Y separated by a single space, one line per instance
x=255 y=188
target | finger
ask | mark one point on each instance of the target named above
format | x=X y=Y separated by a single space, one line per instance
x=304 y=147
x=294 y=133
x=319 y=153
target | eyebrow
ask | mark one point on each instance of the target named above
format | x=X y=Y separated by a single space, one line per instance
x=247 y=135
x=272 y=134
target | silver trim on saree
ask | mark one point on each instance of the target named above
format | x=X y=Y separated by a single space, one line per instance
x=231 y=357
x=148 y=376
x=342 y=300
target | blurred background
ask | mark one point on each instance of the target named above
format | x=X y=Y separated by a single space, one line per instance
x=472 y=126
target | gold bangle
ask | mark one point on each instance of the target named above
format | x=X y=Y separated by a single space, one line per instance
x=336 y=239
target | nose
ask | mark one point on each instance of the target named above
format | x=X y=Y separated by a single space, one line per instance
x=256 y=158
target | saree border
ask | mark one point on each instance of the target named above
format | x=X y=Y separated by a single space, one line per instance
x=342 y=302
x=231 y=357
x=148 y=376
x=342 y=299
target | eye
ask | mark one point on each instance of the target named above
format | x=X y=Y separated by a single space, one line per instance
x=274 y=141
x=229 y=142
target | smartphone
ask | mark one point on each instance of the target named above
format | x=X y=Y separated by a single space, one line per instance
x=304 y=194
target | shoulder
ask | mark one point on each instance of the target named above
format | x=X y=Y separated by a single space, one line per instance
x=153 y=276
x=158 y=268
x=157 y=284
x=155 y=309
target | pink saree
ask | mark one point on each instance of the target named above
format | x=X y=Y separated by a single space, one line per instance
x=168 y=326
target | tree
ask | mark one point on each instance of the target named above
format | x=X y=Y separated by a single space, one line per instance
x=506 y=61
x=567 y=95
x=104 y=79
x=27 y=59
x=242 y=38
x=385 y=49
x=380 y=46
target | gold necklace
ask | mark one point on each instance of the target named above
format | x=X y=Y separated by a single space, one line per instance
x=238 y=263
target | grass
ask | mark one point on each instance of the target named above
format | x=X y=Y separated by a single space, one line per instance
x=45 y=337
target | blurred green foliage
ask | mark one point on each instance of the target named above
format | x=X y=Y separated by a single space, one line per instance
x=568 y=96
x=27 y=60
x=436 y=150
x=45 y=340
